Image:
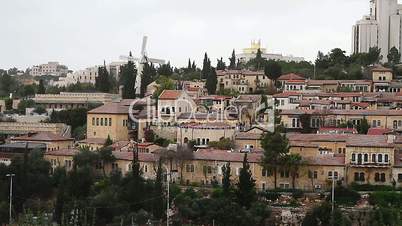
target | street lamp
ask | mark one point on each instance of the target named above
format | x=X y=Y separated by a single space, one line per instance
x=11 y=175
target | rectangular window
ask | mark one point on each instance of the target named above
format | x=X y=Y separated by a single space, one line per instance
x=97 y=121
x=93 y=121
x=110 y=121
x=101 y=122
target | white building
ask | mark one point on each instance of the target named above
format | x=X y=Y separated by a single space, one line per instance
x=250 y=53
x=381 y=28
x=51 y=68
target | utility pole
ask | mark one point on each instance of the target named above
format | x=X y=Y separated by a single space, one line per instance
x=167 y=206
x=11 y=175
x=333 y=196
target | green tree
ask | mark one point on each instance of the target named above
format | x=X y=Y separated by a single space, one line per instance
x=293 y=162
x=275 y=148
x=24 y=104
x=394 y=56
x=158 y=193
x=273 y=70
x=106 y=157
x=41 y=87
x=206 y=67
x=165 y=69
x=127 y=79
x=363 y=127
x=221 y=64
x=258 y=62
x=232 y=59
x=108 y=141
x=322 y=215
x=211 y=81
x=305 y=121
x=226 y=181
x=246 y=193
x=148 y=76
x=103 y=81
x=164 y=83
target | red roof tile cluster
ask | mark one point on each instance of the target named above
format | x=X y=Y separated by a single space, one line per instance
x=110 y=108
x=291 y=76
x=378 y=131
x=170 y=94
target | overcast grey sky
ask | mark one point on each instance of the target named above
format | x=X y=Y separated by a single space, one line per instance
x=81 y=33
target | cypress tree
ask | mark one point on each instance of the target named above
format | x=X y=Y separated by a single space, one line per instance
x=189 y=68
x=220 y=65
x=226 y=183
x=127 y=79
x=158 y=193
x=103 y=82
x=206 y=67
x=232 y=59
x=41 y=88
x=211 y=81
x=165 y=69
x=147 y=77
x=246 y=193
x=193 y=66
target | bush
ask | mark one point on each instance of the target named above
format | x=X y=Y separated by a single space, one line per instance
x=271 y=195
x=162 y=142
x=297 y=193
x=223 y=144
x=386 y=199
x=370 y=187
x=345 y=196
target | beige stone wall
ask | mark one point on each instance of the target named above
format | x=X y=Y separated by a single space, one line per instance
x=60 y=161
x=117 y=131
x=378 y=74
x=243 y=143
x=25 y=127
x=2 y=106
x=206 y=134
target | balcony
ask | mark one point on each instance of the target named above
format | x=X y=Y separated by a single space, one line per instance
x=357 y=164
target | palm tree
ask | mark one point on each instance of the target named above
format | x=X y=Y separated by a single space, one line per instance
x=293 y=162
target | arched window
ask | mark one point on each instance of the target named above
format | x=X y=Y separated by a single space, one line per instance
x=356 y=176
x=359 y=158
x=373 y=158
x=377 y=177
x=353 y=157
x=361 y=177
x=382 y=177
x=386 y=159
x=379 y=157
x=365 y=157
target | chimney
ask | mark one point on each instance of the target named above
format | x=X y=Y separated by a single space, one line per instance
x=390 y=138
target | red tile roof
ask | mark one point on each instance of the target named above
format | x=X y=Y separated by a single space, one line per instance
x=291 y=76
x=326 y=160
x=287 y=94
x=381 y=68
x=93 y=141
x=110 y=108
x=378 y=131
x=143 y=157
x=63 y=152
x=42 y=136
x=170 y=94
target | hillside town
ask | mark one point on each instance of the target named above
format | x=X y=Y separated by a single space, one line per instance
x=258 y=139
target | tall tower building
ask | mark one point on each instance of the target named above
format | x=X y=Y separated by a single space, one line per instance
x=381 y=28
